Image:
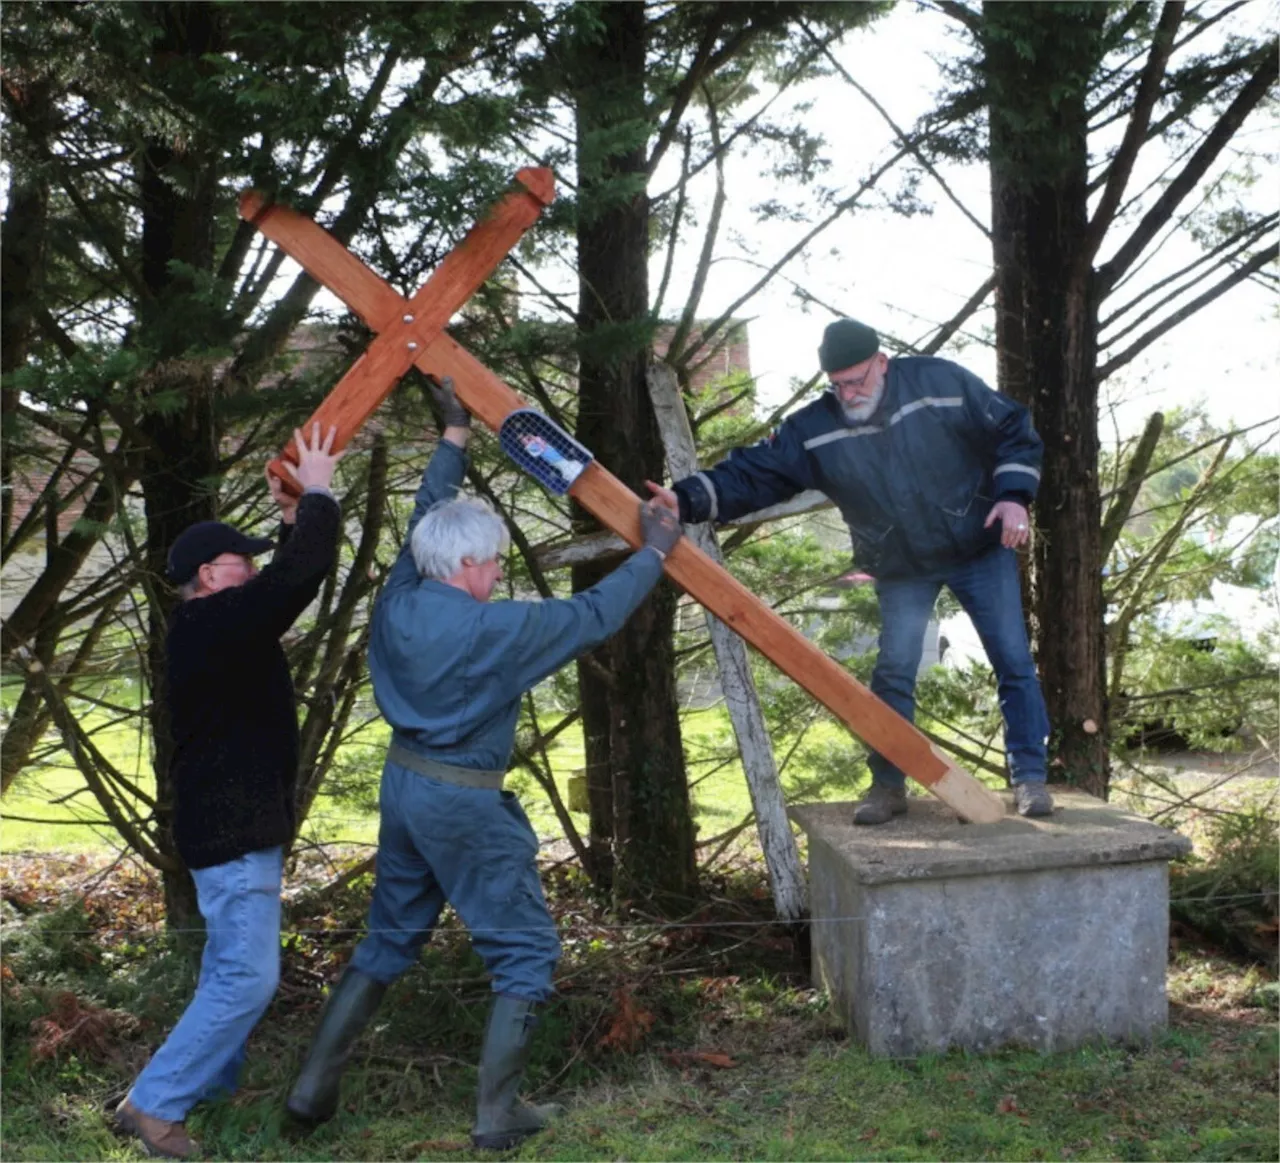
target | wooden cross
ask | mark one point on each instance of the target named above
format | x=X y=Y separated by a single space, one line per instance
x=410 y=332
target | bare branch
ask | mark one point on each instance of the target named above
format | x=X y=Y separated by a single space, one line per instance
x=1135 y=132
x=966 y=16
x=958 y=320
x=685 y=326
x=1261 y=259
x=1249 y=97
x=709 y=332
x=1236 y=242
x=673 y=236
x=1228 y=262
x=901 y=136
x=699 y=68
x=1139 y=463
x=91 y=763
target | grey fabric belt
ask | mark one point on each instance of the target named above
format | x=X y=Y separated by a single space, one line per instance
x=444 y=772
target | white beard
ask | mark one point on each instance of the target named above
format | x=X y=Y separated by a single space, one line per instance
x=859 y=413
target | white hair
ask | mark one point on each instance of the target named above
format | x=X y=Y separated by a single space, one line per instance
x=452 y=530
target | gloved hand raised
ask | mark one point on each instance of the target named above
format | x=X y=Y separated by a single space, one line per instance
x=659 y=527
x=452 y=414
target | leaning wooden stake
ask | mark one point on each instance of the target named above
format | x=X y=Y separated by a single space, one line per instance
x=777 y=841
x=411 y=334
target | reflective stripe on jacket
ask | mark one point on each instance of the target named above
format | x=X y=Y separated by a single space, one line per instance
x=915 y=483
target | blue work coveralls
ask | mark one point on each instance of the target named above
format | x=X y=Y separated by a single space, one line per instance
x=448 y=675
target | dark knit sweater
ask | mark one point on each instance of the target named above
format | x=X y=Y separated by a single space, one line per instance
x=232 y=711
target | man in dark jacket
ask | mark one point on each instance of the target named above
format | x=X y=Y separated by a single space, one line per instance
x=449 y=670
x=235 y=757
x=933 y=473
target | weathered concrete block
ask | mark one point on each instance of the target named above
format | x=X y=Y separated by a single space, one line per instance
x=929 y=933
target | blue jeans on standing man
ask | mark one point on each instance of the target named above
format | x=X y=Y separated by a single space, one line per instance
x=239 y=972
x=990 y=591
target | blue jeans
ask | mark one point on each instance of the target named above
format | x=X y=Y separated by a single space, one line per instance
x=475 y=848
x=989 y=590
x=239 y=972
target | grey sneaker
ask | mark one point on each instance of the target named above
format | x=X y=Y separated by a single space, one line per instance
x=1032 y=799
x=881 y=805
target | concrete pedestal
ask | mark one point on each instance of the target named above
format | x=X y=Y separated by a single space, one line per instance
x=929 y=933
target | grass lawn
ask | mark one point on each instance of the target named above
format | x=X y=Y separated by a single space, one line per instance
x=700 y=1043
x=50 y=808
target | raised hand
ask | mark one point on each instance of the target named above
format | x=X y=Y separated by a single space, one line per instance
x=288 y=504
x=453 y=414
x=316 y=462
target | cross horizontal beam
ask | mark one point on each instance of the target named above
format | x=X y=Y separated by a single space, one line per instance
x=404 y=327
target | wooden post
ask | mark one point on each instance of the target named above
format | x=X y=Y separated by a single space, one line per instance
x=786 y=877
x=601 y=493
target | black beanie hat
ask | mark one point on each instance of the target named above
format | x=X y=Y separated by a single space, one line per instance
x=846 y=342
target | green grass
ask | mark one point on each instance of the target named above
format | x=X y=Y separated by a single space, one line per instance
x=729 y=1053
x=55 y=795
x=794 y=1089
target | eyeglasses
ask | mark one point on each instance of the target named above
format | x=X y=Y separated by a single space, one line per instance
x=851 y=381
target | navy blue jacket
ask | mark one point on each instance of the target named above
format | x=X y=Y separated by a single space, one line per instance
x=915 y=483
x=449 y=671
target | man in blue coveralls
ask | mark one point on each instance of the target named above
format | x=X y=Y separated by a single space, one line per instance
x=449 y=669
x=933 y=472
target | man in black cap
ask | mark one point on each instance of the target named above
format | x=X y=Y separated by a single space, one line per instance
x=234 y=725
x=933 y=473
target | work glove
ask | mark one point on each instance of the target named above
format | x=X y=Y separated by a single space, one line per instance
x=452 y=414
x=659 y=527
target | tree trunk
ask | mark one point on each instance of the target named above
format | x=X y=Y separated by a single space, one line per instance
x=1046 y=336
x=635 y=763
x=182 y=913
x=22 y=247
x=178 y=322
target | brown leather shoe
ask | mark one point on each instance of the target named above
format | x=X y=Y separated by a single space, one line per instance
x=167 y=1140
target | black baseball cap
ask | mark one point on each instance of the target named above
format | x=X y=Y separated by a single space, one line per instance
x=206 y=540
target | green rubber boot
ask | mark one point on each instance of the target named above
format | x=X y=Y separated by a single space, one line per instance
x=350 y=1007
x=503 y=1118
